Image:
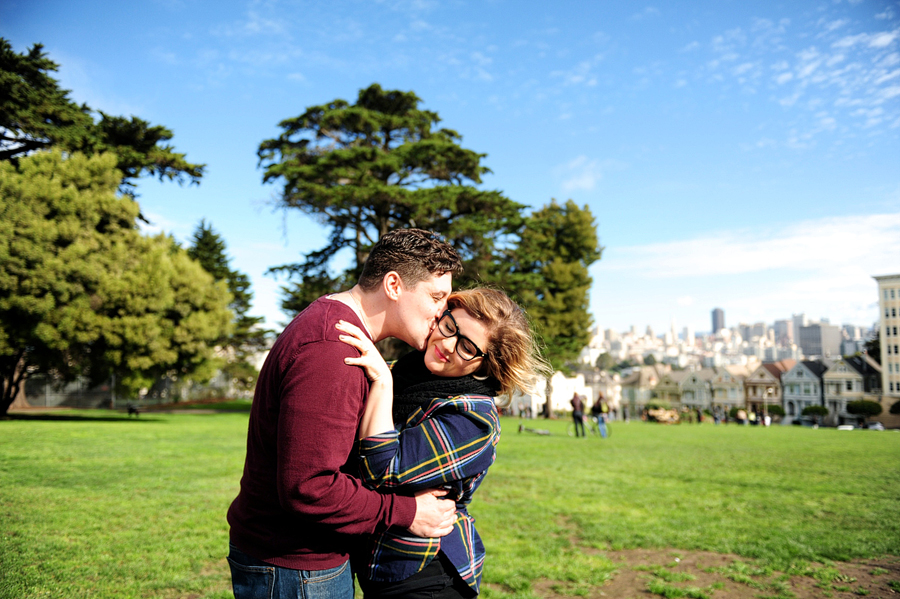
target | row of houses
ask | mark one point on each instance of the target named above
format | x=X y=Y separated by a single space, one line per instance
x=791 y=384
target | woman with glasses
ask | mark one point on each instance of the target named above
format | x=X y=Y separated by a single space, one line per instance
x=430 y=422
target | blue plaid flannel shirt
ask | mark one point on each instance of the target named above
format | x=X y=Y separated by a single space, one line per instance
x=447 y=443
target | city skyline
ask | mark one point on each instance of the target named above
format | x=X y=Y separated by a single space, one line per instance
x=680 y=328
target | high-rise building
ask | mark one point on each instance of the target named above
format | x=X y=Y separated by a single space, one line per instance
x=784 y=332
x=851 y=332
x=889 y=313
x=718 y=320
x=758 y=330
x=819 y=339
x=800 y=320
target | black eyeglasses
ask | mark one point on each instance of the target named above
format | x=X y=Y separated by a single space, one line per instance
x=465 y=347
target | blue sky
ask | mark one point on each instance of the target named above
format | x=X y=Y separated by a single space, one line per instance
x=741 y=155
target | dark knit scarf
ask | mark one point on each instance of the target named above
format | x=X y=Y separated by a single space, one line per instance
x=415 y=386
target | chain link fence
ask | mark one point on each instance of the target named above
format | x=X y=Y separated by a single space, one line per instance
x=43 y=392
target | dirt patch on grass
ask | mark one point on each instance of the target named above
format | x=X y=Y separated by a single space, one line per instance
x=648 y=574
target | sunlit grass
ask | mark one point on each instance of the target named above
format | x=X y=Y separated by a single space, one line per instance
x=117 y=507
x=99 y=505
x=552 y=505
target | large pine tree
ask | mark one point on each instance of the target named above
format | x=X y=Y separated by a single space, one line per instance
x=247 y=338
x=381 y=163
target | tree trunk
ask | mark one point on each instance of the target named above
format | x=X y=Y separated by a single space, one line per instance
x=13 y=391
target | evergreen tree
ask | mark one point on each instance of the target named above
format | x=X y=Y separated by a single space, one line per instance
x=873 y=347
x=379 y=164
x=83 y=293
x=246 y=338
x=546 y=270
x=36 y=114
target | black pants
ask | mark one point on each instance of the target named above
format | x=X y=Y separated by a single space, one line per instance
x=578 y=417
x=438 y=580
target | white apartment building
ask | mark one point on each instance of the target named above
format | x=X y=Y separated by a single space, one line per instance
x=889 y=312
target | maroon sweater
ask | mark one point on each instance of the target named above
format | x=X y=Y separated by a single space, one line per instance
x=298 y=506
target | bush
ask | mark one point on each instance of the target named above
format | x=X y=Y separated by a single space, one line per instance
x=895 y=408
x=655 y=404
x=775 y=410
x=815 y=411
x=864 y=408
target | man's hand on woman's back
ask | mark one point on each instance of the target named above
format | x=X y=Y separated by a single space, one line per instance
x=434 y=516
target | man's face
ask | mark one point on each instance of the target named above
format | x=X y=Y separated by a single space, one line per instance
x=420 y=307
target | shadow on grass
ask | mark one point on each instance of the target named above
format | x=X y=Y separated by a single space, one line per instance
x=77 y=418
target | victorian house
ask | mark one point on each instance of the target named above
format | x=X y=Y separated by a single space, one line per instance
x=850 y=379
x=639 y=387
x=763 y=387
x=803 y=386
x=669 y=387
x=696 y=391
x=727 y=387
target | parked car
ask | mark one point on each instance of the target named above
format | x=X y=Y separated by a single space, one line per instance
x=875 y=426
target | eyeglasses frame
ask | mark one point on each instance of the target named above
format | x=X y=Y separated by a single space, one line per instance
x=459 y=336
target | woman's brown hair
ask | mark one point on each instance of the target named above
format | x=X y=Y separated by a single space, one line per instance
x=513 y=357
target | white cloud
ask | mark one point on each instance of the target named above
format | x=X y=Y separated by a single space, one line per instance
x=831 y=26
x=883 y=39
x=822 y=267
x=784 y=78
x=481 y=59
x=160 y=224
x=888 y=93
x=890 y=60
x=649 y=11
x=583 y=174
x=846 y=67
x=852 y=242
x=742 y=68
x=581 y=74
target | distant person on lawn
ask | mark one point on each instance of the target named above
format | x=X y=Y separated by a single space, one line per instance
x=578 y=414
x=300 y=510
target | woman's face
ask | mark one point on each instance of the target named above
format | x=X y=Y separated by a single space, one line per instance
x=442 y=352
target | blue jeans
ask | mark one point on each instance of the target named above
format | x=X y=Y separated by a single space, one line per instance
x=255 y=579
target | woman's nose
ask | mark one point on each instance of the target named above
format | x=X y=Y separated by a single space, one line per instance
x=448 y=345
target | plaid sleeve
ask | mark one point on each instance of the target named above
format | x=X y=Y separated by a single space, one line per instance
x=452 y=440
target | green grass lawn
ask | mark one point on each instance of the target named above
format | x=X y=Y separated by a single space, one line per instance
x=97 y=505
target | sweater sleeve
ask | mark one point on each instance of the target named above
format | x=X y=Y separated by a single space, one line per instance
x=321 y=402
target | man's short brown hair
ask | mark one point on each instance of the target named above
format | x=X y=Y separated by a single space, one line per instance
x=414 y=254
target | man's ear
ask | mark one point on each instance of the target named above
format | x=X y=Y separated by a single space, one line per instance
x=393 y=285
